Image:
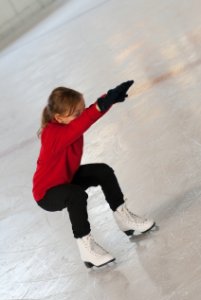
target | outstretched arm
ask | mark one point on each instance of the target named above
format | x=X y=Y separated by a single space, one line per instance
x=68 y=134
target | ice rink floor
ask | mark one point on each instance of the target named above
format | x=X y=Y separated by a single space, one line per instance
x=152 y=141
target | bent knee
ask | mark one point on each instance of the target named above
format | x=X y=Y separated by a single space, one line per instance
x=105 y=169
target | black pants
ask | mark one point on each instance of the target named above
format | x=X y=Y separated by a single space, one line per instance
x=73 y=196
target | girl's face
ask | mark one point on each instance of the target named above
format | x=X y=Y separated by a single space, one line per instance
x=66 y=119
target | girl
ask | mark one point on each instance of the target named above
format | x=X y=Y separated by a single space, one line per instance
x=60 y=181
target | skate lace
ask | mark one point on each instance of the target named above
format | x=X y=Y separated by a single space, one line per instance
x=134 y=217
x=95 y=247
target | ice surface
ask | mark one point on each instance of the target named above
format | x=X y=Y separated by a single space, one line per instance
x=152 y=141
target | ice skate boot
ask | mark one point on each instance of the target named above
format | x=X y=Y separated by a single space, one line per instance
x=129 y=222
x=91 y=253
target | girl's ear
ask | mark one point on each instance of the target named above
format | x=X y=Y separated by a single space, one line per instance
x=58 y=118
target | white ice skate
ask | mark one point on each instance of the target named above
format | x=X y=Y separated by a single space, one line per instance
x=129 y=222
x=91 y=253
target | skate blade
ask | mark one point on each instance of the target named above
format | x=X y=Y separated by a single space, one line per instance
x=131 y=232
x=90 y=265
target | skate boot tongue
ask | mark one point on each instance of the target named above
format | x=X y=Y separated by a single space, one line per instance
x=95 y=247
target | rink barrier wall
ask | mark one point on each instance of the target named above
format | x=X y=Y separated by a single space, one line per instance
x=17 y=17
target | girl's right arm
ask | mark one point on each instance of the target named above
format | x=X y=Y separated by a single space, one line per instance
x=63 y=135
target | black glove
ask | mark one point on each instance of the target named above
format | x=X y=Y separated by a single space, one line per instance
x=115 y=95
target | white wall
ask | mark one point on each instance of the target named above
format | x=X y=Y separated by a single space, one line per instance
x=16 y=16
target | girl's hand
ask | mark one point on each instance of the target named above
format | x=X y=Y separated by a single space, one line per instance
x=115 y=95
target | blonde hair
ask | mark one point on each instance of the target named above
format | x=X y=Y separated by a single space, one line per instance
x=60 y=101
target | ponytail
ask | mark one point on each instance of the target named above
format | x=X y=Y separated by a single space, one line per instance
x=45 y=119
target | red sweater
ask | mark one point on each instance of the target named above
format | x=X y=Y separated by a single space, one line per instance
x=61 y=151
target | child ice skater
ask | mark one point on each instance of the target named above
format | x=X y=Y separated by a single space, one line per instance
x=60 y=181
